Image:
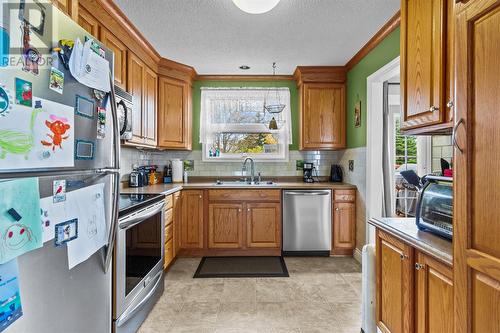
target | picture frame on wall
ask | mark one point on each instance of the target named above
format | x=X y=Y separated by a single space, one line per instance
x=357 y=113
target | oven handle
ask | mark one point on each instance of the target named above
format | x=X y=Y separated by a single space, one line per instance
x=130 y=312
x=141 y=215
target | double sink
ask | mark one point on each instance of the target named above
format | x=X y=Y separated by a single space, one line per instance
x=242 y=183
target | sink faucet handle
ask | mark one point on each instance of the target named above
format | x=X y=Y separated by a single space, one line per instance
x=260 y=179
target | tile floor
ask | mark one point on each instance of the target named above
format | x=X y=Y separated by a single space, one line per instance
x=321 y=295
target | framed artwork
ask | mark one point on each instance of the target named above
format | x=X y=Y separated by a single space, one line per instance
x=357 y=112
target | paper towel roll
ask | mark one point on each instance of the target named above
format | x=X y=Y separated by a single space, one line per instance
x=177 y=171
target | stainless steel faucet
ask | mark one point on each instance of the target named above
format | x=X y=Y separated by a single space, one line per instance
x=252 y=169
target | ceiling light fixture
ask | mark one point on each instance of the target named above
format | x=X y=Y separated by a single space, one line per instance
x=244 y=67
x=256 y=6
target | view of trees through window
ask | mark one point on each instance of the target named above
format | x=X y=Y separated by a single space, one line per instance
x=254 y=143
x=406 y=147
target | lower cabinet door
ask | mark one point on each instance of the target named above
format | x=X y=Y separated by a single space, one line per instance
x=434 y=295
x=225 y=225
x=344 y=225
x=192 y=219
x=263 y=225
x=394 y=285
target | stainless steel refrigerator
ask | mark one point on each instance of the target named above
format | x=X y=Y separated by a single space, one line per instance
x=54 y=297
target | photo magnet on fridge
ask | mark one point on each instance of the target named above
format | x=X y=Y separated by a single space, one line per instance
x=84 y=107
x=59 y=191
x=66 y=232
x=6 y=101
x=56 y=80
x=24 y=92
x=101 y=123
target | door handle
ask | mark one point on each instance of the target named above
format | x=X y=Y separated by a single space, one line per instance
x=461 y=121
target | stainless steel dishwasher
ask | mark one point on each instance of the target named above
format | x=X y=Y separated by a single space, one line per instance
x=307 y=222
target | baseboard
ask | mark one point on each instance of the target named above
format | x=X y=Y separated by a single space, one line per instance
x=357 y=255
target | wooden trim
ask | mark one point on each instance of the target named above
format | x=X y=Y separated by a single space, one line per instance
x=320 y=74
x=251 y=78
x=386 y=29
x=176 y=70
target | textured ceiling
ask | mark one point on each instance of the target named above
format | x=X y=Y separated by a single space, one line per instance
x=215 y=37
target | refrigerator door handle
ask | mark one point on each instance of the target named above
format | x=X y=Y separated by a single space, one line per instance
x=114 y=220
x=116 y=130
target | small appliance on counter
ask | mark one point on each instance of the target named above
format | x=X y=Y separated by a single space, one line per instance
x=135 y=179
x=167 y=174
x=435 y=206
x=336 y=174
x=308 y=172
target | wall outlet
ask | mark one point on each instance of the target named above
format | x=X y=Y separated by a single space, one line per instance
x=351 y=165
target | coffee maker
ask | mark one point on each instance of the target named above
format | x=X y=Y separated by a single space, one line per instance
x=308 y=172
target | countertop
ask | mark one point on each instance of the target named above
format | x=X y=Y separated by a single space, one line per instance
x=174 y=187
x=406 y=230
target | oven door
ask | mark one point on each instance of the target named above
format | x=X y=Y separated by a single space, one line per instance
x=139 y=259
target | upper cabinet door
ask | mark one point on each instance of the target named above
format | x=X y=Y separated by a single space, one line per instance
x=174 y=114
x=322 y=116
x=88 y=22
x=149 y=108
x=120 y=51
x=423 y=63
x=476 y=238
x=135 y=86
x=70 y=7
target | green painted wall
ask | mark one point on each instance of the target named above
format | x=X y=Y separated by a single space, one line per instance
x=294 y=104
x=385 y=52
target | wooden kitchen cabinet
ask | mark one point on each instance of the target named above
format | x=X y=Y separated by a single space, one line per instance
x=69 y=7
x=174 y=114
x=426 y=66
x=394 y=270
x=150 y=107
x=476 y=227
x=120 y=51
x=88 y=22
x=225 y=222
x=142 y=84
x=434 y=295
x=263 y=223
x=344 y=227
x=322 y=116
x=192 y=219
x=177 y=217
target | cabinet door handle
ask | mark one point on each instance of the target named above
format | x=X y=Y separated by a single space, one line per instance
x=337 y=209
x=419 y=266
x=200 y=196
x=450 y=104
x=461 y=121
x=248 y=209
x=433 y=108
x=239 y=210
x=404 y=256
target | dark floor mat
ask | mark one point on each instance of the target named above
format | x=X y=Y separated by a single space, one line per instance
x=228 y=267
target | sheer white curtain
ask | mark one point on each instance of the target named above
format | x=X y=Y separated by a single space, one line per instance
x=215 y=102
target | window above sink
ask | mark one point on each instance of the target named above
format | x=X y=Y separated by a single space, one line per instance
x=234 y=124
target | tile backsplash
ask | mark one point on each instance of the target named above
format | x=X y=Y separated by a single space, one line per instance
x=441 y=148
x=322 y=159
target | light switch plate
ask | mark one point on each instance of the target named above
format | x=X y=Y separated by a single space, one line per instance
x=351 y=165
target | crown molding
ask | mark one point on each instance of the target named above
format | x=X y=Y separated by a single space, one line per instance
x=386 y=29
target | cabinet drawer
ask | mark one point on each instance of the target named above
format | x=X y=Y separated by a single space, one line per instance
x=344 y=195
x=169 y=232
x=244 y=194
x=169 y=216
x=169 y=253
x=169 y=202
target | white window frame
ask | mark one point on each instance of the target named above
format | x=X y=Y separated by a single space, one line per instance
x=208 y=130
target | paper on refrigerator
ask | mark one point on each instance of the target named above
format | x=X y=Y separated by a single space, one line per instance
x=87 y=206
x=88 y=68
x=20 y=229
x=36 y=137
x=88 y=203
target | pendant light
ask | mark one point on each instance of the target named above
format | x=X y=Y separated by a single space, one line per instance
x=256 y=6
